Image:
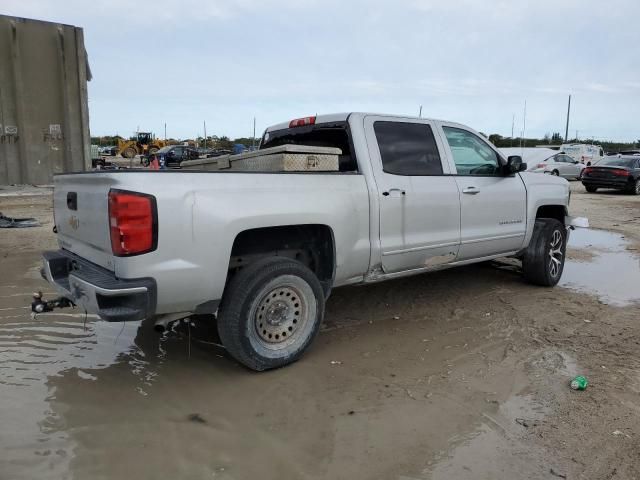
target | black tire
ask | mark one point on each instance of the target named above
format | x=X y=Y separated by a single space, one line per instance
x=556 y=173
x=296 y=313
x=543 y=260
x=129 y=152
x=634 y=188
x=144 y=161
x=591 y=189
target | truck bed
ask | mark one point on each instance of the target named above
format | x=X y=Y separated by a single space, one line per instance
x=199 y=216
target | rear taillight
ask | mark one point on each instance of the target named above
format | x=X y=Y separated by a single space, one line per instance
x=542 y=165
x=621 y=173
x=132 y=222
x=302 y=122
x=587 y=171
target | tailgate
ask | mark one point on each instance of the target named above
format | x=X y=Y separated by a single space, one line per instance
x=81 y=210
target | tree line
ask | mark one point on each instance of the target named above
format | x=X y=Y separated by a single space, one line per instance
x=556 y=139
x=212 y=141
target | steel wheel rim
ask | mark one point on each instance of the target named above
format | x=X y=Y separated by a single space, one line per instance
x=281 y=314
x=555 y=253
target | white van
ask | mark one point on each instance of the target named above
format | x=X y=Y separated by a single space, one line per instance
x=583 y=153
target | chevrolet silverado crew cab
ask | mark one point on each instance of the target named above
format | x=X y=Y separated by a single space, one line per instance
x=263 y=250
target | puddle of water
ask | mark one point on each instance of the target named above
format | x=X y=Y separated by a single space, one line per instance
x=36 y=350
x=32 y=351
x=494 y=450
x=612 y=273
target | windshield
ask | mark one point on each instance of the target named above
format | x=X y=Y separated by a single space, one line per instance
x=164 y=150
x=618 y=162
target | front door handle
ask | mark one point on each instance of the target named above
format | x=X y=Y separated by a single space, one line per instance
x=471 y=190
x=394 y=192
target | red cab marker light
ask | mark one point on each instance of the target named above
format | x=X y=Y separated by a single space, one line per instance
x=302 y=122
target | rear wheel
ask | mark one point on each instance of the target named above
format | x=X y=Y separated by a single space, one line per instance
x=543 y=260
x=556 y=173
x=634 y=189
x=270 y=313
x=591 y=189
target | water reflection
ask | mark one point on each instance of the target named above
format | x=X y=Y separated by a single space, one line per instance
x=603 y=267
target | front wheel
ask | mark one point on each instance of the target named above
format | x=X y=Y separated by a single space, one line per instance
x=543 y=260
x=591 y=189
x=129 y=152
x=270 y=313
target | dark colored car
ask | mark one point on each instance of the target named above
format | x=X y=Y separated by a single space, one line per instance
x=621 y=173
x=174 y=155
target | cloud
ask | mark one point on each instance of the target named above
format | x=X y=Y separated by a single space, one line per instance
x=224 y=61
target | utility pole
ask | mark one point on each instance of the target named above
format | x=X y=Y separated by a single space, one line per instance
x=420 y=112
x=524 y=124
x=253 y=139
x=204 y=123
x=566 y=131
x=513 y=123
x=165 y=131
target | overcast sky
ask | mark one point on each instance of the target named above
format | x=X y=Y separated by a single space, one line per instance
x=472 y=61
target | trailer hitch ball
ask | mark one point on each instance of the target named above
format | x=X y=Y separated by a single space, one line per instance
x=40 y=305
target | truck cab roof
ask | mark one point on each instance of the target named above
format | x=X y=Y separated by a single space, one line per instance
x=343 y=117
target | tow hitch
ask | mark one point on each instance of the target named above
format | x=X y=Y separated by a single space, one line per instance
x=39 y=304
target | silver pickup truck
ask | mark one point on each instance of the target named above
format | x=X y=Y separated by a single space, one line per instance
x=263 y=250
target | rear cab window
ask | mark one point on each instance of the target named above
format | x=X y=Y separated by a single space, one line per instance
x=333 y=134
x=407 y=148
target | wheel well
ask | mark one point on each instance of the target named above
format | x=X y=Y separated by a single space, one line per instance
x=312 y=245
x=552 y=211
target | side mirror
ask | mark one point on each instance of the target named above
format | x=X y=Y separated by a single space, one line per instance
x=515 y=165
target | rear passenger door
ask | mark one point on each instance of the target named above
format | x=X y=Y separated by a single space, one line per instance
x=419 y=206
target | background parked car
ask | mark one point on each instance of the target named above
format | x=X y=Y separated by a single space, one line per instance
x=547 y=160
x=561 y=165
x=110 y=150
x=174 y=155
x=621 y=173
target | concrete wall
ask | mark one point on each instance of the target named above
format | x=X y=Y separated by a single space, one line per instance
x=43 y=101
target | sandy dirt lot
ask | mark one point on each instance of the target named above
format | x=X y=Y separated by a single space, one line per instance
x=461 y=374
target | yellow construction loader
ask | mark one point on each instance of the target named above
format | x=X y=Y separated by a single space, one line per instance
x=144 y=143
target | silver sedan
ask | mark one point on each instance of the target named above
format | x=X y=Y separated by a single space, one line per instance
x=547 y=160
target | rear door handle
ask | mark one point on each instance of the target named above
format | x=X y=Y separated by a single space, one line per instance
x=471 y=190
x=394 y=192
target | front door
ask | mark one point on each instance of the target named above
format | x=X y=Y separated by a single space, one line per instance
x=419 y=202
x=493 y=205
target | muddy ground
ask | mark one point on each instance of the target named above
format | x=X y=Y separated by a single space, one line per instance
x=461 y=374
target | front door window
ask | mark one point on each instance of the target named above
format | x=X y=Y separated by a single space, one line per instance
x=471 y=155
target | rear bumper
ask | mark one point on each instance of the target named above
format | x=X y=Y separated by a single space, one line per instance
x=605 y=182
x=97 y=289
